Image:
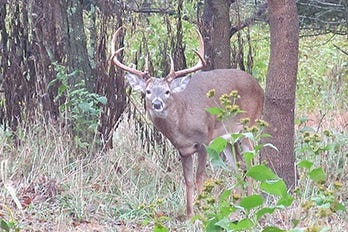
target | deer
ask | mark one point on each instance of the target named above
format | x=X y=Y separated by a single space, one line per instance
x=177 y=106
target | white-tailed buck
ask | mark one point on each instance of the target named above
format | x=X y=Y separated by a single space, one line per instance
x=177 y=107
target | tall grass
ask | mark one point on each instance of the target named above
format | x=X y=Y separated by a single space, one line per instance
x=61 y=188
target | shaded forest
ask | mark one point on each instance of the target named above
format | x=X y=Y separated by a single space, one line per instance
x=54 y=54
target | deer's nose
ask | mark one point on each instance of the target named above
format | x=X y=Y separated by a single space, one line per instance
x=157 y=104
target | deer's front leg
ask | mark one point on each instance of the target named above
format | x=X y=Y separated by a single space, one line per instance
x=187 y=166
x=200 y=174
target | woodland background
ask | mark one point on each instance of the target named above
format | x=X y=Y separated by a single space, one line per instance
x=77 y=152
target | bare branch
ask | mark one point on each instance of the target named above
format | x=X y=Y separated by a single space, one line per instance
x=340 y=49
x=249 y=21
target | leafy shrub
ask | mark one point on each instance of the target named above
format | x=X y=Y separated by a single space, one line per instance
x=270 y=193
x=81 y=108
x=232 y=211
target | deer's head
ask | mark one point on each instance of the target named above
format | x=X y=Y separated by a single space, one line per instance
x=158 y=91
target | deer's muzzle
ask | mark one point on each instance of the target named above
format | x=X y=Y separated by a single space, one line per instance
x=157 y=104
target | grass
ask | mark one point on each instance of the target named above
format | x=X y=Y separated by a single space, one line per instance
x=49 y=184
x=60 y=188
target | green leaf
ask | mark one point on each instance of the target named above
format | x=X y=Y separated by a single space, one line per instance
x=223 y=223
x=251 y=201
x=258 y=148
x=319 y=200
x=52 y=82
x=329 y=147
x=225 y=207
x=261 y=173
x=235 y=137
x=248 y=157
x=214 y=110
x=275 y=187
x=93 y=127
x=74 y=73
x=102 y=100
x=317 y=175
x=4 y=225
x=337 y=206
x=225 y=195
x=85 y=106
x=61 y=89
x=272 y=229
x=285 y=201
x=243 y=224
x=160 y=228
x=305 y=164
x=263 y=211
x=215 y=159
x=218 y=144
x=295 y=222
x=211 y=226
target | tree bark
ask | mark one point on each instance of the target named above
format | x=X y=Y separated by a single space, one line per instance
x=179 y=50
x=76 y=46
x=280 y=89
x=110 y=81
x=216 y=32
x=45 y=15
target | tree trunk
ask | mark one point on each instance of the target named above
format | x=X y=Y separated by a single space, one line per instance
x=76 y=47
x=179 y=50
x=110 y=81
x=280 y=89
x=216 y=32
x=46 y=17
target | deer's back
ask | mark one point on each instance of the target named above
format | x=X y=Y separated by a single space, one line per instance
x=223 y=81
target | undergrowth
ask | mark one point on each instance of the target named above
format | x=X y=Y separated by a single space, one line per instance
x=47 y=182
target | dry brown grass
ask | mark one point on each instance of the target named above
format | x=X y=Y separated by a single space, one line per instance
x=47 y=184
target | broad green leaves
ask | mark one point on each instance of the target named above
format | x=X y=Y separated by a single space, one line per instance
x=251 y=202
x=261 y=173
x=253 y=207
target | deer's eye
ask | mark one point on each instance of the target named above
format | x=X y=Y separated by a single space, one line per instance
x=148 y=92
x=167 y=92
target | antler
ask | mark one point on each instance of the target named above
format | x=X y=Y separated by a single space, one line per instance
x=115 y=53
x=201 y=63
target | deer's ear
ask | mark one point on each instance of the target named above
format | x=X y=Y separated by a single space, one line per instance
x=179 y=84
x=137 y=83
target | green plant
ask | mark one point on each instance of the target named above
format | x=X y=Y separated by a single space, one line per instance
x=216 y=212
x=8 y=224
x=80 y=108
x=268 y=196
x=323 y=194
x=232 y=211
x=155 y=216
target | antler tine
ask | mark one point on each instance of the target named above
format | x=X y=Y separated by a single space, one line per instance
x=114 y=40
x=172 y=75
x=115 y=53
x=146 y=69
x=200 y=64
